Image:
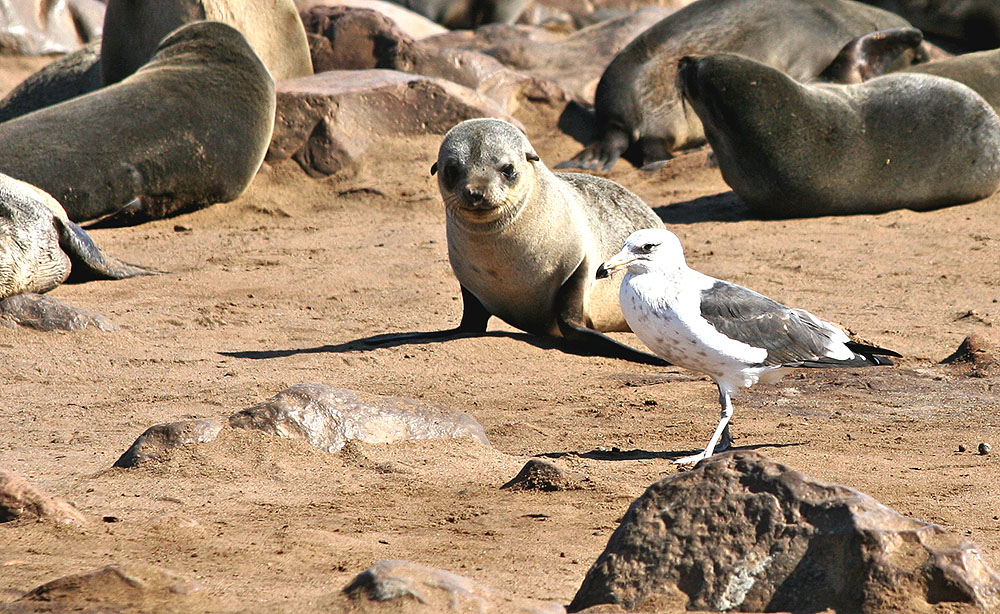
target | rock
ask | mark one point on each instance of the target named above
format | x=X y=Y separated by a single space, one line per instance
x=743 y=532
x=120 y=587
x=327 y=121
x=327 y=418
x=70 y=76
x=538 y=474
x=386 y=583
x=343 y=38
x=414 y=24
x=42 y=27
x=574 y=63
x=45 y=313
x=19 y=499
x=154 y=443
x=977 y=355
x=984 y=448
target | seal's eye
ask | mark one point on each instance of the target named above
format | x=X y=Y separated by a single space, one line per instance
x=450 y=175
x=508 y=171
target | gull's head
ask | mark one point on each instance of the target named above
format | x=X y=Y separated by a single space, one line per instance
x=645 y=250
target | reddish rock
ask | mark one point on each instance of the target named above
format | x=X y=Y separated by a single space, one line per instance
x=327 y=121
x=386 y=584
x=19 y=499
x=327 y=418
x=538 y=474
x=741 y=532
x=157 y=440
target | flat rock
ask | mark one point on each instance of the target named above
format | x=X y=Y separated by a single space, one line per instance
x=125 y=587
x=327 y=418
x=19 y=499
x=45 y=313
x=411 y=22
x=741 y=532
x=538 y=474
x=574 y=63
x=345 y=38
x=154 y=443
x=327 y=121
x=390 y=585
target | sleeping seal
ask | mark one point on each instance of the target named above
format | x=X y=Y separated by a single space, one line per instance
x=39 y=245
x=525 y=243
x=902 y=140
x=638 y=105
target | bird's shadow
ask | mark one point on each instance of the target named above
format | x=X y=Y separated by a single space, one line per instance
x=722 y=207
x=616 y=454
x=389 y=340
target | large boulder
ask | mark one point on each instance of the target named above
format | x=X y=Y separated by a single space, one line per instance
x=327 y=121
x=741 y=532
x=414 y=24
x=388 y=585
x=344 y=38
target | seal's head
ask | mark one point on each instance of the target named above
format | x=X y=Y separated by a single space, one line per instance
x=485 y=170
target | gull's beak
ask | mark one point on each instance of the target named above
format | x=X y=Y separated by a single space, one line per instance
x=617 y=262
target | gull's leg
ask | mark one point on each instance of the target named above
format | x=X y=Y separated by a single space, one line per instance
x=721 y=431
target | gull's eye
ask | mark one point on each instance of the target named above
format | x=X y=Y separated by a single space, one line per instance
x=508 y=171
x=647 y=247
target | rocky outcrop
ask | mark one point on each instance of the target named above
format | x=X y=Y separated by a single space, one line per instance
x=19 y=499
x=386 y=584
x=741 y=532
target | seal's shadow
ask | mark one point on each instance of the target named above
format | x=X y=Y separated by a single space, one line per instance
x=723 y=207
x=615 y=454
x=389 y=340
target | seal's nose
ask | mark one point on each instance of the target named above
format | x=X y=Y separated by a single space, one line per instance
x=602 y=272
x=474 y=196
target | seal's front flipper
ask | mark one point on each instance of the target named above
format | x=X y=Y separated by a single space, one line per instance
x=871 y=55
x=89 y=262
x=474 y=320
x=587 y=340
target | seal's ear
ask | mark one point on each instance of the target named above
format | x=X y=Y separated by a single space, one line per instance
x=434 y=168
x=871 y=55
x=531 y=157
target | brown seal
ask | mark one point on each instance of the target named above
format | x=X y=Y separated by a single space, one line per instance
x=525 y=243
x=902 y=140
x=187 y=130
x=637 y=105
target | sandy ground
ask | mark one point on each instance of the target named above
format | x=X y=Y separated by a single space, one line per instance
x=271 y=290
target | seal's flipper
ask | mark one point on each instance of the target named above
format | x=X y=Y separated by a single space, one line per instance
x=474 y=320
x=88 y=261
x=587 y=340
x=601 y=154
x=871 y=55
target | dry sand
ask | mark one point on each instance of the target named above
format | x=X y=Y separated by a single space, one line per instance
x=269 y=291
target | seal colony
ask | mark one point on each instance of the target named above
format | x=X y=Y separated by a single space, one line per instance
x=40 y=247
x=732 y=334
x=187 y=130
x=525 y=243
x=903 y=140
x=638 y=103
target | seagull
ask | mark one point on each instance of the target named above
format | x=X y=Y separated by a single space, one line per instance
x=730 y=333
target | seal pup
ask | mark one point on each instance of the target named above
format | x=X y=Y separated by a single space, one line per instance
x=638 y=106
x=187 y=130
x=789 y=149
x=525 y=243
x=39 y=246
x=730 y=333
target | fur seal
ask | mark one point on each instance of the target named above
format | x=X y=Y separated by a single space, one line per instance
x=39 y=246
x=525 y=243
x=187 y=130
x=980 y=71
x=133 y=30
x=902 y=140
x=637 y=105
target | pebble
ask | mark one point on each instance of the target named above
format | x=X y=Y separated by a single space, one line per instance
x=985 y=448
